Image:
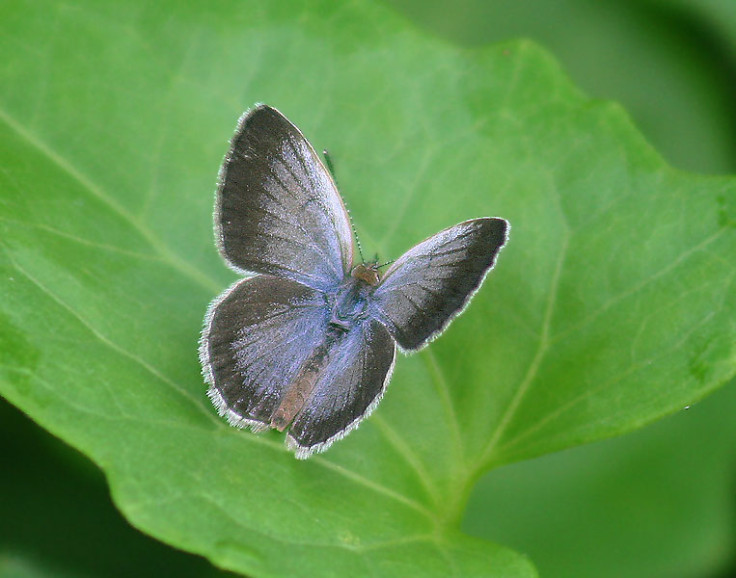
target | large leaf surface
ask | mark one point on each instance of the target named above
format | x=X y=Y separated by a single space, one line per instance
x=655 y=503
x=612 y=305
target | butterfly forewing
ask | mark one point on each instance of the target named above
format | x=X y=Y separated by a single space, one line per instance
x=434 y=280
x=278 y=210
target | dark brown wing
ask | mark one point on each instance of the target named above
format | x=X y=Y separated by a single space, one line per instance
x=431 y=283
x=278 y=210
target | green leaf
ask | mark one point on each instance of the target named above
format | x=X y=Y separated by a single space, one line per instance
x=612 y=305
x=653 y=503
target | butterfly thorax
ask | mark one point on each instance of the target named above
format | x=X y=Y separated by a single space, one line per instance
x=351 y=300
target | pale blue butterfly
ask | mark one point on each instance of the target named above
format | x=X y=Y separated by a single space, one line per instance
x=309 y=342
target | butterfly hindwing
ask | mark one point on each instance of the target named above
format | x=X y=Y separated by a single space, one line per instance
x=350 y=384
x=256 y=338
x=433 y=281
x=278 y=210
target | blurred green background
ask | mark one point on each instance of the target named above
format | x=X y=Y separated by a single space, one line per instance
x=658 y=503
x=671 y=63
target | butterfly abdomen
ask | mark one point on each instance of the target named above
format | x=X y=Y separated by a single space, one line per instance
x=298 y=393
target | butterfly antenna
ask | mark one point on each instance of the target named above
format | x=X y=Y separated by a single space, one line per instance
x=387 y=263
x=355 y=236
x=331 y=168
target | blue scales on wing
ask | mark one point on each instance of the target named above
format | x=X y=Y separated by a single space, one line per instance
x=259 y=335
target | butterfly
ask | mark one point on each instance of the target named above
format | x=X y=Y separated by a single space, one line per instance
x=306 y=342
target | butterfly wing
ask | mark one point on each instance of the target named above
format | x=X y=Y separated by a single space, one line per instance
x=351 y=383
x=257 y=335
x=278 y=210
x=431 y=283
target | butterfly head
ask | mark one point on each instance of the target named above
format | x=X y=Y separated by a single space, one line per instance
x=367 y=272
